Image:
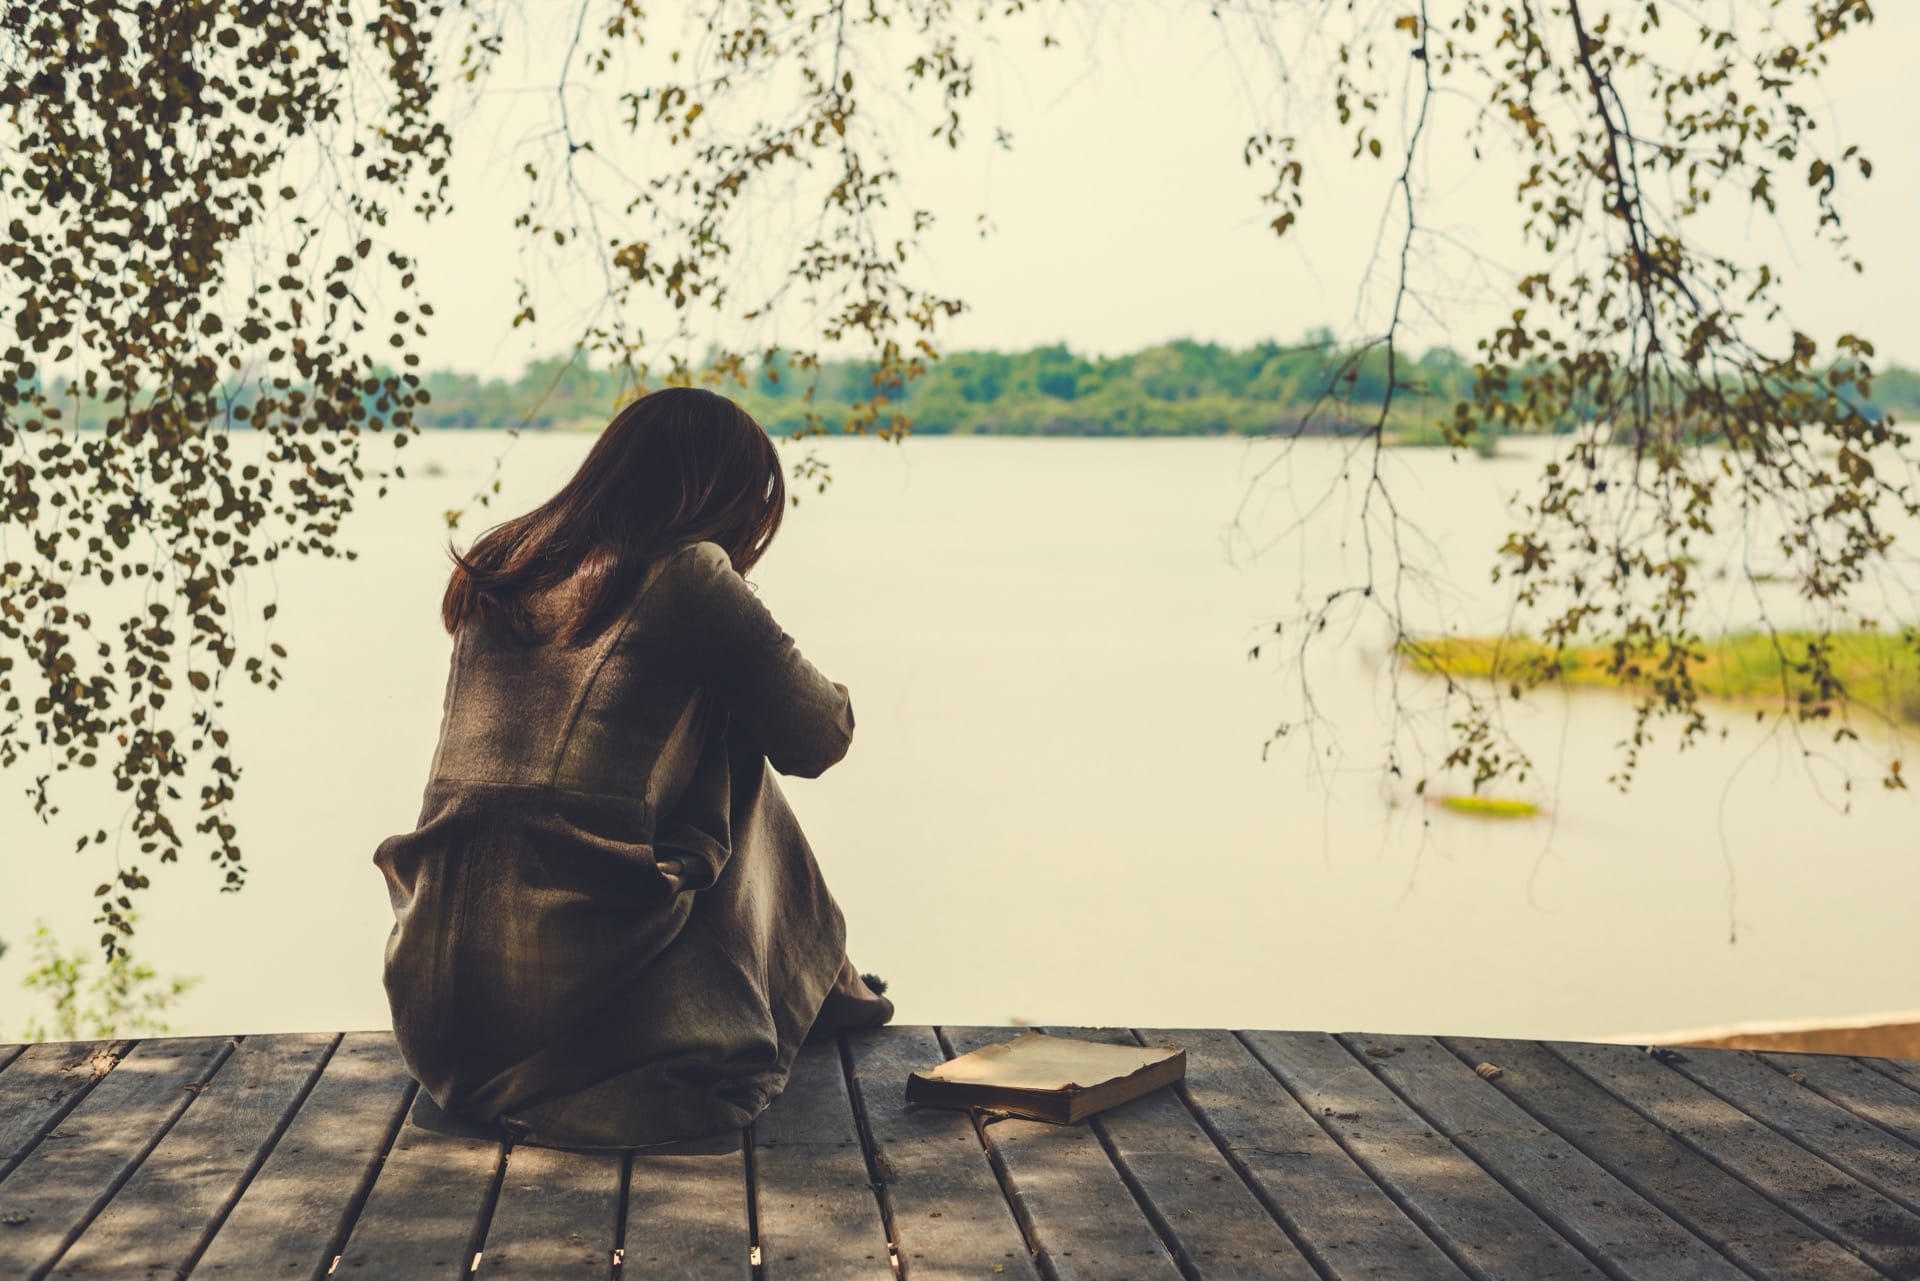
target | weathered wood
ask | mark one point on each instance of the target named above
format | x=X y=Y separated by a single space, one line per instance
x=1281 y=1155
x=1349 y=1227
x=1905 y=1071
x=817 y=1214
x=1882 y=1162
x=428 y=1209
x=1073 y=1204
x=687 y=1212
x=1687 y=1187
x=1209 y=1220
x=164 y=1215
x=557 y=1215
x=1477 y=1221
x=1578 y=1197
x=74 y=1171
x=44 y=1082
x=1884 y=1233
x=1857 y=1088
x=950 y=1218
x=295 y=1213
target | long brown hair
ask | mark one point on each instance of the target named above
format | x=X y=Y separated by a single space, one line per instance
x=679 y=465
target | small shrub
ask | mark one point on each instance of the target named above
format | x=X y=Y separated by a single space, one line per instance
x=125 y=998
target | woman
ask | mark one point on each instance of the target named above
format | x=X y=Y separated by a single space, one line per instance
x=609 y=930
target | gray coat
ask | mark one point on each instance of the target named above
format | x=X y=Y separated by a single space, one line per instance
x=540 y=970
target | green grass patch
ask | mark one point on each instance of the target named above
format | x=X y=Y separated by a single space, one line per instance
x=1876 y=669
x=1489 y=807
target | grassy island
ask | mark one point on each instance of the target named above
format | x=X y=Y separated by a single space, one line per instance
x=1876 y=669
x=1488 y=806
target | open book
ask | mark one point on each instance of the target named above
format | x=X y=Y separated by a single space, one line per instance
x=1048 y=1078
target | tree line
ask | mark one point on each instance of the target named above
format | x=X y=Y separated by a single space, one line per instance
x=1178 y=388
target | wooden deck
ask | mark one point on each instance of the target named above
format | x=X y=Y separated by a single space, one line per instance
x=1284 y=1155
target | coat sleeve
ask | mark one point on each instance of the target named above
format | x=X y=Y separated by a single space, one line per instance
x=802 y=721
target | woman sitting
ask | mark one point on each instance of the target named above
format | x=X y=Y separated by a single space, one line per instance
x=609 y=930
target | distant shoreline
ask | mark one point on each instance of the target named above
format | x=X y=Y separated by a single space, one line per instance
x=1315 y=388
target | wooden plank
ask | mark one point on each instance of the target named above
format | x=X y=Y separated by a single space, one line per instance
x=164 y=1215
x=687 y=1212
x=428 y=1208
x=950 y=1218
x=1905 y=1071
x=1349 y=1227
x=1210 y=1221
x=8 y=1053
x=1857 y=1088
x=294 y=1214
x=1476 y=1220
x=1578 y=1197
x=1884 y=1233
x=816 y=1207
x=1073 y=1204
x=1687 y=1187
x=42 y=1084
x=557 y=1216
x=73 y=1172
x=1882 y=1162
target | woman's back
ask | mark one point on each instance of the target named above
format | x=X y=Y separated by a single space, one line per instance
x=536 y=951
x=605 y=715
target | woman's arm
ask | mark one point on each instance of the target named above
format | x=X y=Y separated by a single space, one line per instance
x=734 y=647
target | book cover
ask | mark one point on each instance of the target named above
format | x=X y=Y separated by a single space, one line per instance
x=1048 y=1078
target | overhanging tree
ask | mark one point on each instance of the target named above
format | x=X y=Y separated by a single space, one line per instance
x=193 y=204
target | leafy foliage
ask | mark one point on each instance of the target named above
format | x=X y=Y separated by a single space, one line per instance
x=1693 y=409
x=1636 y=327
x=145 y=148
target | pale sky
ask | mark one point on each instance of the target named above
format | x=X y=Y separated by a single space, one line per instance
x=1124 y=216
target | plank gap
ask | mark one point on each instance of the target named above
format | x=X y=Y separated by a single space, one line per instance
x=351 y=1219
x=128 y=1170
x=1712 y=1159
x=881 y=1196
x=259 y=1158
x=757 y=1268
x=1169 y=1239
x=1891 y=1071
x=1514 y=1188
x=114 y=1051
x=1040 y=1259
x=1694 y=1189
x=1892 y=1132
x=1869 y=1178
x=620 y=1215
x=1414 y=1213
x=1280 y=1218
x=477 y=1243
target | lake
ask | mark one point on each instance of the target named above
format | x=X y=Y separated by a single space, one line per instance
x=1056 y=808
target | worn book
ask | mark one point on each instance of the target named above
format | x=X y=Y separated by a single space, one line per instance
x=1048 y=1078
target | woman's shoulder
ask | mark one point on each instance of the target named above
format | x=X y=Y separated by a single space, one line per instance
x=694 y=566
x=702 y=557
x=694 y=589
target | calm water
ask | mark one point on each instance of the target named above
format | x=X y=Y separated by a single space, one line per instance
x=1056 y=807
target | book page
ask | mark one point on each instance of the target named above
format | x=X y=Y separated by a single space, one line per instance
x=1035 y=1061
